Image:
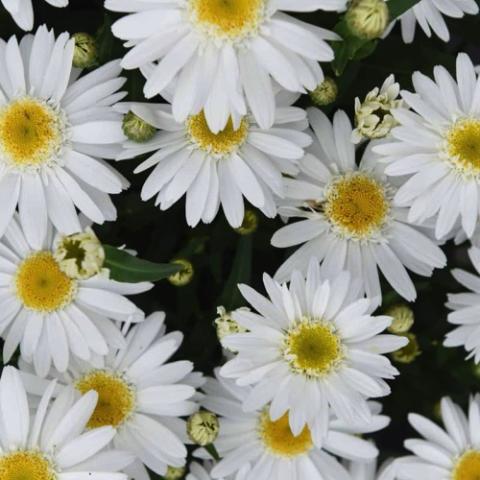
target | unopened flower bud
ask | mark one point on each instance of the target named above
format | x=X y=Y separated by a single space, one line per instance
x=185 y=275
x=367 y=19
x=85 y=52
x=326 y=93
x=203 y=428
x=249 y=224
x=175 y=473
x=409 y=352
x=403 y=319
x=137 y=129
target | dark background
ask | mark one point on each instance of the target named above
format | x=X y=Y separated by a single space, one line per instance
x=221 y=257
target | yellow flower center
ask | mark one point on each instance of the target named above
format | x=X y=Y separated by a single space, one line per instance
x=116 y=398
x=221 y=143
x=463 y=146
x=312 y=348
x=30 y=132
x=25 y=465
x=356 y=205
x=468 y=466
x=279 y=439
x=41 y=285
x=227 y=19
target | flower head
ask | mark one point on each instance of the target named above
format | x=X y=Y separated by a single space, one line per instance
x=236 y=50
x=311 y=336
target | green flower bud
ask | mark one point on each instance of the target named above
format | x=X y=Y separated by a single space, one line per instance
x=136 y=129
x=203 y=428
x=403 y=319
x=367 y=19
x=326 y=93
x=184 y=276
x=409 y=352
x=249 y=224
x=85 y=52
x=175 y=473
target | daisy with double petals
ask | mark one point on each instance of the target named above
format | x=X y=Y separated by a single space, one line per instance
x=52 y=315
x=449 y=453
x=54 y=444
x=140 y=395
x=254 y=446
x=242 y=160
x=55 y=131
x=438 y=147
x=22 y=10
x=224 y=56
x=318 y=339
x=466 y=310
x=349 y=218
x=429 y=15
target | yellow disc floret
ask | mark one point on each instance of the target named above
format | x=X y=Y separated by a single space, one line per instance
x=41 y=285
x=463 y=146
x=221 y=143
x=227 y=19
x=25 y=465
x=356 y=205
x=279 y=439
x=468 y=466
x=312 y=348
x=116 y=397
x=31 y=133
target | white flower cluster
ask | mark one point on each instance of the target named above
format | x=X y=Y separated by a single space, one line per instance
x=95 y=396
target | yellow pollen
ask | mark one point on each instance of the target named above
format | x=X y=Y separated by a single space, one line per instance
x=356 y=205
x=312 y=348
x=468 y=466
x=41 y=285
x=30 y=132
x=228 y=19
x=279 y=439
x=464 y=145
x=25 y=465
x=116 y=398
x=221 y=143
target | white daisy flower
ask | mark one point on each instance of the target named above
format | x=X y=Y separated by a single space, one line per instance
x=243 y=160
x=429 y=16
x=317 y=338
x=22 y=10
x=350 y=220
x=54 y=131
x=450 y=454
x=140 y=395
x=53 y=445
x=53 y=316
x=222 y=56
x=466 y=310
x=438 y=145
x=257 y=447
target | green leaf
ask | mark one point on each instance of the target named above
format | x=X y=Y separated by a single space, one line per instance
x=399 y=7
x=125 y=267
x=240 y=273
